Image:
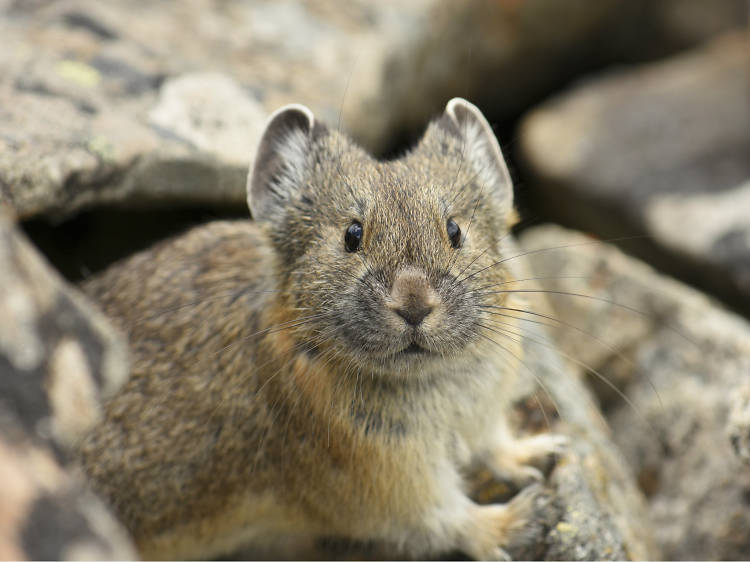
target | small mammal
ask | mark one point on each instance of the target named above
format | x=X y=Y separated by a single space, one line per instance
x=328 y=369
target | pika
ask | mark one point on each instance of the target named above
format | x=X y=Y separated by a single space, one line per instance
x=330 y=368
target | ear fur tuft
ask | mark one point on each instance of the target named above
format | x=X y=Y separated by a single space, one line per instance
x=279 y=165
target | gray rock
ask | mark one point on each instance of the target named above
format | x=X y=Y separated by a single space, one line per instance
x=679 y=364
x=147 y=104
x=212 y=113
x=506 y=56
x=662 y=150
x=58 y=359
x=600 y=513
x=75 y=131
x=738 y=426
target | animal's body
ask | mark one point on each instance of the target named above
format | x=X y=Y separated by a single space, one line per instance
x=332 y=368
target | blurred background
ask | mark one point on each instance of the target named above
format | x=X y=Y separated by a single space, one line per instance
x=123 y=122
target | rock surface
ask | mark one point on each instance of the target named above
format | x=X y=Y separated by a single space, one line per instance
x=662 y=150
x=58 y=359
x=600 y=513
x=680 y=364
x=506 y=55
x=113 y=103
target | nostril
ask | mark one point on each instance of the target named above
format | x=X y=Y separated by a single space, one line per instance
x=414 y=314
x=412 y=296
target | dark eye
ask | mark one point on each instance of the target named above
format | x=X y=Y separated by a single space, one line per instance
x=353 y=237
x=454 y=233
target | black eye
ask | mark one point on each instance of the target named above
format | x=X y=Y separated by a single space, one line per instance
x=353 y=237
x=454 y=233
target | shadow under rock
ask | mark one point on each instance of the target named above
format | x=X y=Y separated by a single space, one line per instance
x=98 y=237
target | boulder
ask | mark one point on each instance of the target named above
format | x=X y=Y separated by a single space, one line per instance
x=660 y=150
x=507 y=55
x=159 y=104
x=670 y=367
x=58 y=359
x=599 y=514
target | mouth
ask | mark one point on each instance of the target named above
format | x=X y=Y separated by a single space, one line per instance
x=413 y=349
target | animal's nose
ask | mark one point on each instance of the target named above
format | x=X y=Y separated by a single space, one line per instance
x=414 y=313
x=412 y=297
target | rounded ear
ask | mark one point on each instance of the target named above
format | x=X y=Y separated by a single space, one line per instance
x=463 y=119
x=279 y=166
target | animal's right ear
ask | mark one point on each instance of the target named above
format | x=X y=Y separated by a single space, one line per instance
x=280 y=162
x=464 y=120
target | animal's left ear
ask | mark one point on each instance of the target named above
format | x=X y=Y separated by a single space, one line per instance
x=481 y=149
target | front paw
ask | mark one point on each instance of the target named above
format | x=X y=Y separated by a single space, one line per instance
x=527 y=460
x=499 y=526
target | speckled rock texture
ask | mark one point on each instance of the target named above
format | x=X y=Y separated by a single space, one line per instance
x=600 y=513
x=506 y=55
x=156 y=104
x=58 y=359
x=97 y=107
x=661 y=150
x=676 y=367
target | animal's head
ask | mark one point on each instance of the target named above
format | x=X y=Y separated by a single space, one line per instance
x=390 y=265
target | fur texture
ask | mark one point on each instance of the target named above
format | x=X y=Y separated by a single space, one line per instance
x=278 y=394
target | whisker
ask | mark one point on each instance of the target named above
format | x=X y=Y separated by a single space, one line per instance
x=458 y=277
x=471 y=179
x=541 y=383
x=458 y=173
x=346 y=90
x=274 y=329
x=600 y=376
x=538 y=278
x=600 y=299
x=617 y=353
x=473 y=213
x=466 y=234
x=552 y=248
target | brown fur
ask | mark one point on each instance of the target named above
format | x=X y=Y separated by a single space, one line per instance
x=247 y=423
